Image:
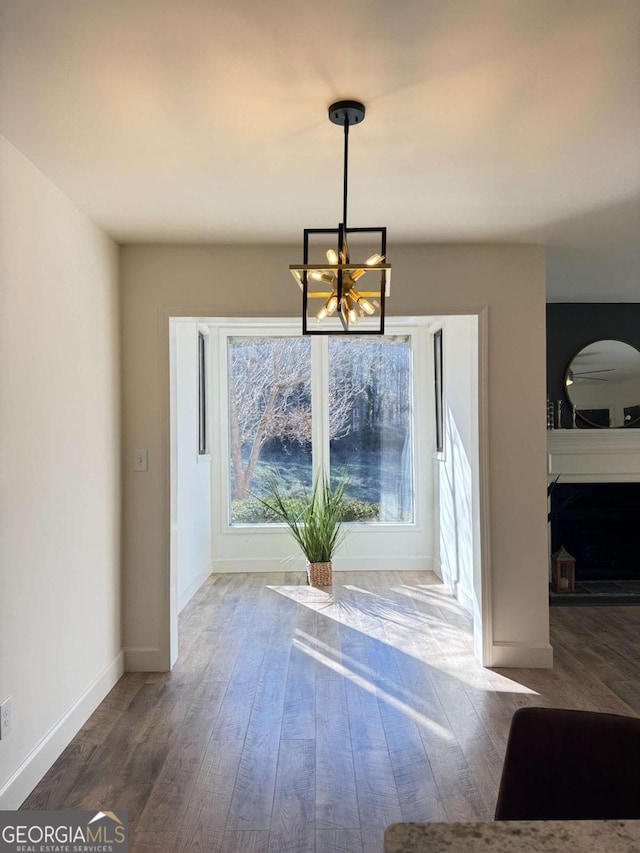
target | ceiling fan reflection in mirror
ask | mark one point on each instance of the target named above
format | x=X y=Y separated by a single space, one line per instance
x=587 y=376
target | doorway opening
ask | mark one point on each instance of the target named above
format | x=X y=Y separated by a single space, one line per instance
x=401 y=421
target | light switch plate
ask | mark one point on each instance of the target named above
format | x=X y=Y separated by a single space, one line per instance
x=140 y=460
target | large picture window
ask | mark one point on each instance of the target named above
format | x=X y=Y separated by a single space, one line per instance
x=342 y=405
x=269 y=381
x=370 y=425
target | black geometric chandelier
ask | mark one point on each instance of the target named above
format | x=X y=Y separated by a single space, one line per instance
x=336 y=296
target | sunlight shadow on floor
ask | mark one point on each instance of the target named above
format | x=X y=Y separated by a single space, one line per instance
x=374 y=687
x=432 y=628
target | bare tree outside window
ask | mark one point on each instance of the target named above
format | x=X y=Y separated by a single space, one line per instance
x=269 y=407
x=270 y=422
x=374 y=449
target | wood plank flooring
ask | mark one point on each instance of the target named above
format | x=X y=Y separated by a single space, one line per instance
x=301 y=720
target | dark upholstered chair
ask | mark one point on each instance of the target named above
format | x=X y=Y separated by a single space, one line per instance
x=570 y=765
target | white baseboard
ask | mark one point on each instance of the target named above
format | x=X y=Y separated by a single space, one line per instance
x=145 y=660
x=50 y=747
x=465 y=598
x=232 y=566
x=185 y=597
x=383 y=564
x=522 y=655
x=341 y=564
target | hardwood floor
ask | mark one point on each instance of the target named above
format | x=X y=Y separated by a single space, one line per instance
x=304 y=720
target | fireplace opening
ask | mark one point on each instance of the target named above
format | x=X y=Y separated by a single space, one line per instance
x=599 y=525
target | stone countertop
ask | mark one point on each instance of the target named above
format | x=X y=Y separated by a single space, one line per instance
x=580 y=836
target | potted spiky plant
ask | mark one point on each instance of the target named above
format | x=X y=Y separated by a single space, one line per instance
x=314 y=521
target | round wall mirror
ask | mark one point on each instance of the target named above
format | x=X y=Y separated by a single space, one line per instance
x=603 y=382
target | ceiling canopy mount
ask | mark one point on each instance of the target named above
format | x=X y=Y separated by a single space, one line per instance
x=346 y=112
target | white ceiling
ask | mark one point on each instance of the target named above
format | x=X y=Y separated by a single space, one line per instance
x=194 y=120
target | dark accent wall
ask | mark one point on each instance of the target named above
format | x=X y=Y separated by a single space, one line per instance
x=573 y=325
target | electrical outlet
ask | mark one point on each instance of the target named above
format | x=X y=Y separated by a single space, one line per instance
x=5 y=718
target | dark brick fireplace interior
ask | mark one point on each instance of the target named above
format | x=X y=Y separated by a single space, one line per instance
x=599 y=525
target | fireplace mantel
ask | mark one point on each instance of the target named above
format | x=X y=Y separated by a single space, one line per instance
x=594 y=455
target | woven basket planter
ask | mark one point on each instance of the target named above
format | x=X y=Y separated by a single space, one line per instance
x=319 y=574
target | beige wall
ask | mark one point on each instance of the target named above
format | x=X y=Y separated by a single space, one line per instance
x=509 y=280
x=60 y=632
x=160 y=281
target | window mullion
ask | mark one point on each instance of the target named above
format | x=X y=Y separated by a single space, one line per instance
x=320 y=405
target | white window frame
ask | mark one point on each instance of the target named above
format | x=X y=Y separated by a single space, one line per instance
x=363 y=539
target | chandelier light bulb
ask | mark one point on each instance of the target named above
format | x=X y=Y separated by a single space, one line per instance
x=352 y=309
x=322 y=276
x=328 y=308
x=364 y=304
